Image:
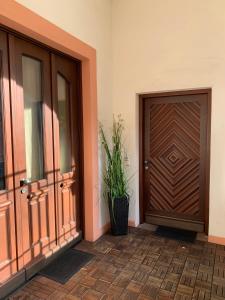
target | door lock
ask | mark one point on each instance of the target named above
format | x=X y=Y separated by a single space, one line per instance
x=23 y=191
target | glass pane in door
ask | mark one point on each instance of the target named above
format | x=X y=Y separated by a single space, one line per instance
x=64 y=124
x=33 y=119
x=2 y=159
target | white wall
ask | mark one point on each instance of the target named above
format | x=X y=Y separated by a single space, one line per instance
x=90 y=21
x=161 y=45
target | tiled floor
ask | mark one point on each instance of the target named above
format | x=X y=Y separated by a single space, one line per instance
x=139 y=266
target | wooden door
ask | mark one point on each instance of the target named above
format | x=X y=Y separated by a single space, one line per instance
x=175 y=159
x=8 y=263
x=66 y=107
x=32 y=149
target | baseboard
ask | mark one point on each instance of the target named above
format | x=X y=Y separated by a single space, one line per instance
x=131 y=223
x=216 y=240
x=105 y=228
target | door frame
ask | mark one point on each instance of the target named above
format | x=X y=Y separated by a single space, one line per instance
x=144 y=96
x=18 y=18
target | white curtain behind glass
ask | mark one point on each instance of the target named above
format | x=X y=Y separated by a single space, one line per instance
x=64 y=128
x=33 y=118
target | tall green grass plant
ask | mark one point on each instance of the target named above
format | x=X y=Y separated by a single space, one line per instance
x=115 y=177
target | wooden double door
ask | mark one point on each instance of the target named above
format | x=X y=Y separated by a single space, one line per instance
x=40 y=153
x=174 y=161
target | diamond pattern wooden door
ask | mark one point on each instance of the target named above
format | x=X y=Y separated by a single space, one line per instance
x=174 y=160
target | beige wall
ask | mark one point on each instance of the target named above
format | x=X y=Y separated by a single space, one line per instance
x=90 y=21
x=161 y=45
x=155 y=45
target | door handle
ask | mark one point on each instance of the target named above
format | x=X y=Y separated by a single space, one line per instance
x=24 y=181
x=146 y=164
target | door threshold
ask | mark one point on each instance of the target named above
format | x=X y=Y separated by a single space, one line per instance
x=201 y=236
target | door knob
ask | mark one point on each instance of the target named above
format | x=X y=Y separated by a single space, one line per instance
x=146 y=162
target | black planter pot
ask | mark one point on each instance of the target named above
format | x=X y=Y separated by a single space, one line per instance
x=119 y=219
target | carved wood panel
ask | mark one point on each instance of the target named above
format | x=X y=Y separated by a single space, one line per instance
x=36 y=235
x=39 y=202
x=68 y=183
x=8 y=263
x=174 y=157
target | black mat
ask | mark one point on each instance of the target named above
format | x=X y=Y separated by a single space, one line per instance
x=66 y=265
x=176 y=234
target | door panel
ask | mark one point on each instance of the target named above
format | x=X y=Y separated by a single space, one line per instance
x=174 y=160
x=8 y=264
x=66 y=145
x=39 y=171
x=33 y=150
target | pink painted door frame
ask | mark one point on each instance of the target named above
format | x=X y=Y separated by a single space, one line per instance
x=24 y=21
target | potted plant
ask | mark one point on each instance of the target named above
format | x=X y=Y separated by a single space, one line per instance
x=116 y=183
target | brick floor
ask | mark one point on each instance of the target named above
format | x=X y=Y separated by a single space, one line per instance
x=139 y=266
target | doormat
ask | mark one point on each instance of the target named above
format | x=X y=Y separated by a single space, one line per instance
x=66 y=265
x=176 y=234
